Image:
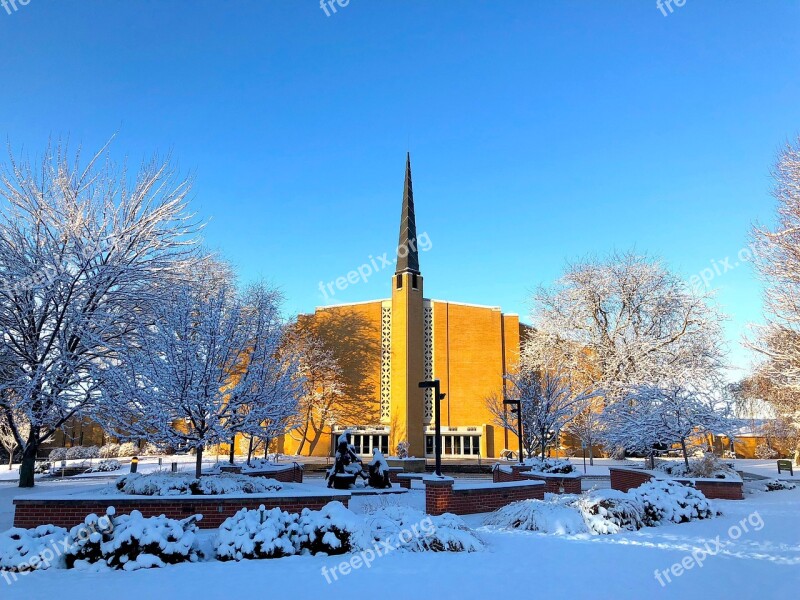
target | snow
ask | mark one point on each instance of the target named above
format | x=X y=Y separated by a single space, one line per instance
x=179 y=484
x=761 y=562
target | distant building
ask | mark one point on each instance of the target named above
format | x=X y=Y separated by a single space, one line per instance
x=468 y=348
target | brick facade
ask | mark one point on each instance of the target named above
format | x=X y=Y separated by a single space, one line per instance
x=441 y=496
x=71 y=512
x=554 y=484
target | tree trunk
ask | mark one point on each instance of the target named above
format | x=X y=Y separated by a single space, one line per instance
x=232 y=457
x=28 y=462
x=797 y=456
x=685 y=453
x=250 y=451
x=198 y=467
x=591 y=455
x=10 y=459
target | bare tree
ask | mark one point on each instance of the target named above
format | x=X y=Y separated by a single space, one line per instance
x=587 y=426
x=652 y=417
x=777 y=258
x=209 y=368
x=82 y=249
x=626 y=320
x=548 y=399
x=8 y=438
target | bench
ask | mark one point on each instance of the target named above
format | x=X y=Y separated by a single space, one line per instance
x=785 y=465
x=405 y=479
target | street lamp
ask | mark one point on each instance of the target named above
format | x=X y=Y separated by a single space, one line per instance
x=437 y=398
x=516 y=406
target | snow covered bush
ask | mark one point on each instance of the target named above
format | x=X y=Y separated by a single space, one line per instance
x=550 y=465
x=105 y=466
x=611 y=511
x=670 y=501
x=151 y=449
x=413 y=531
x=764 y=452
x=776 y=485
x=402 y=449
x=334 y=529
x=109 y=451
x=24 y=550
x=57 y=454
x=252 y=534
x=128 y=449
x=82 y=452
x=707 y=466
x=161 y=483
x=554 y=515
x=42 y=468
x=132 y=542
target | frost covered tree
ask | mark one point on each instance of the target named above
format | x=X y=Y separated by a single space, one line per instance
x=651 y=417
x=626 y=320
x=8 y=435
x=83 y=247
x=549 y=400
x=208 y=368
x=587 y=426
x=777 y=258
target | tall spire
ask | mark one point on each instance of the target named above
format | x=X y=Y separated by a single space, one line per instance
x=407 y=251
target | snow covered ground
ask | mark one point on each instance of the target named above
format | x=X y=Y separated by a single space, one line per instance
x=763 y=561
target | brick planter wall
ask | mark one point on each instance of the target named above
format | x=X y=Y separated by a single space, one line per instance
x=441 y=496
x=553 y=483
x=289 y=474
x=30 y=513
x=627 y=479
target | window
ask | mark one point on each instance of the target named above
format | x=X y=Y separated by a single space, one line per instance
x=415 y=286
x=455 y=444
x=400 y=283
x=430 y=445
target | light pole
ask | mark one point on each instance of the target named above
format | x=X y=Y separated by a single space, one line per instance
x=437 y=398
x=516 y=406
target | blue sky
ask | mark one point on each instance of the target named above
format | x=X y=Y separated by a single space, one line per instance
x=539 y=130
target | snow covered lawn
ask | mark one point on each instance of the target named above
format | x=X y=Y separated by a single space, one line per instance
x=763 y=561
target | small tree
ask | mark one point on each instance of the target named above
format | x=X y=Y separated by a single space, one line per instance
x=587 y=426
x=8 y=437
x=548 y=401
x=208 y=369
x=82 y=251
x=654 y=417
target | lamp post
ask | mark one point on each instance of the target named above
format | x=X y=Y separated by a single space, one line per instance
x=437 y=398
x=516 y=406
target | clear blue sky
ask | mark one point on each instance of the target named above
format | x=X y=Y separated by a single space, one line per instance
x=539 y=130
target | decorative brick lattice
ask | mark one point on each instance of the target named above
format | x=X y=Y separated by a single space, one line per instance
x=427 y=321
x=386 y=363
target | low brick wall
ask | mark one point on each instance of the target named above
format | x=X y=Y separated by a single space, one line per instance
x=393 y=473
x=287 y=474
x=627 y=479
x=554 y=483
x=69 y=512
x=441 y=496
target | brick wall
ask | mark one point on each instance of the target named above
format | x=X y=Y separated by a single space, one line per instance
x=553 y=483
x=68 y=513
x=290 y=474
x=441 y=496
x=626 y=479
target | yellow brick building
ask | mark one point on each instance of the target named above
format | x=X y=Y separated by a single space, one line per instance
x=467 y=347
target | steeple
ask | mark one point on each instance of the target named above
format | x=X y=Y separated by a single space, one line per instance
x=407 y=251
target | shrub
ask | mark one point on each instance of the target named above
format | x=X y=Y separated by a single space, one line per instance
x=776 y=485
x=82 y=452
x=57 y=454
x=161 y=483
x=707 y=466
x=19 y=546
x=413 y=531
x=132 y=542
x=333 y=530
x=611 y=511
x=251 y=534
x=556 y=515
x=105 y=466
x=670 y=501
x=109 y=451
x=128 y=449
x=764 y=452
x=42 y=468
x=550 y=465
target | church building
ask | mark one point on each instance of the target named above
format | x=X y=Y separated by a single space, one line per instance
x=468 y=347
